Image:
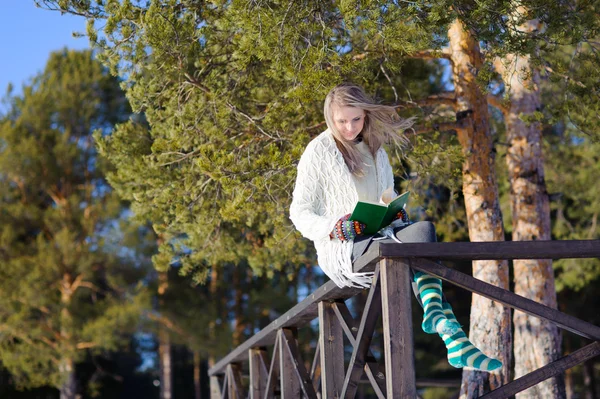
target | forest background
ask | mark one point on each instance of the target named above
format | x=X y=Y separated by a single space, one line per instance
x=145 y=185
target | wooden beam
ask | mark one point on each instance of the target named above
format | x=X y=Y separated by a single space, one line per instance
x=215 y=387
x=372 y=370
x=306 y=311
x=273 y=371
x=494 y=250
x=295 y=378
x=396 y=297
x=315 y=369
x=290 y=386
x=259 y=374
x=235 y=389
x=331 y=339
x=508 y=298
x=298 y=316
x=364 y=336
x=224 y=392
x=550 y=370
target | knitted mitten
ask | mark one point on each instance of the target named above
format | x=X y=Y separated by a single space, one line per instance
x=434 y=319
x=346 y=230
x=461 y=352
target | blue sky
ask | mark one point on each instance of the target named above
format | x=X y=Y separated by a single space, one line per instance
x=28 y=35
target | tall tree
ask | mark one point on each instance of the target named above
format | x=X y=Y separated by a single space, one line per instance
x=233 y=92
x=65 y=290
x=536 y=341
x=490 y=321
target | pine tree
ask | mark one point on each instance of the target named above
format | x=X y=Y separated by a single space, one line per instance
x=67 y=288
x=232 y=92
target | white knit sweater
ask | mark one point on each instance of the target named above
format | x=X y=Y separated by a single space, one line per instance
x=325 y=192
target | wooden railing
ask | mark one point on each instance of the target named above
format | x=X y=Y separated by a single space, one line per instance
x=390 y=297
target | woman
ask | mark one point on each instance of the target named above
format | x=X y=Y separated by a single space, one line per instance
x=347 y=163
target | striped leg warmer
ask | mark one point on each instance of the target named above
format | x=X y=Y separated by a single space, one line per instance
x=461 y=352
x=434 y=319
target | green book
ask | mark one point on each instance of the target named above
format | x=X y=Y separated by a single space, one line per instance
x=377 y=215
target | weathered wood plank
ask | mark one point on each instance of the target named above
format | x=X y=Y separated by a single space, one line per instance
x=225 y=391
x=495 y=250
x=331 y=339
x=290 y=386
x=508 y=298
x=376 y=377
x=290 y=344
x=550 y=370
x=273 y=371
x=306 y=311
x=374 y=373
x=215 y=387
x=235 y=389
x=315 y=369
x=396 y=296
x=346 y=320
x=364 y=336
x=259 y=374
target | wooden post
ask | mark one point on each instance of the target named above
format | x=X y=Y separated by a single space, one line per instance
x=258 y=373
x=215 y=387
x=396 y=296
x=290 y=385
x=331 y=339
x=235 y=389
x=370 y=315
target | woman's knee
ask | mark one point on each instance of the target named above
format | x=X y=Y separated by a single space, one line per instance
x=418 y=232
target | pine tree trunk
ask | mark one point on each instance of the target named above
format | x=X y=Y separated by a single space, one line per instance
x=197 y=376
x=490 y=321
x=215 y=392
x=536 y=341
x=238 y=331
x=589 y=382
x=164 y=345
x=68 y=389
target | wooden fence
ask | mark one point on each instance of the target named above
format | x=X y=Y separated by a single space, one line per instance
x=390 y=296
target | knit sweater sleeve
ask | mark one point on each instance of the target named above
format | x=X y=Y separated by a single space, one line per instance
x=387 y=174
x=307 y=210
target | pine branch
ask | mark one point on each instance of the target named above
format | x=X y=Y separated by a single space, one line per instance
x=566 y=77
x=445 y=53
x=499 y=103
x=446 y=98
x=438 y=127
x=167 y=323
x=86 y=345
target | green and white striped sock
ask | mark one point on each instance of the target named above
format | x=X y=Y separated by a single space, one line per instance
x=461 y=352
x=434 y=319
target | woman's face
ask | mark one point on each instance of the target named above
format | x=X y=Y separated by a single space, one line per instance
x=349 y=121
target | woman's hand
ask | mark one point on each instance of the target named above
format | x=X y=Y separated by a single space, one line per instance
x=403 y=215
x=346 y=229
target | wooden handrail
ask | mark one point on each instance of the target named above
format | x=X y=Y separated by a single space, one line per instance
x=306 y=311
x=420 y=256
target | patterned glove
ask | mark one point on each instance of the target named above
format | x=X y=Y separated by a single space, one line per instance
x=346 y=230
x=403 y=215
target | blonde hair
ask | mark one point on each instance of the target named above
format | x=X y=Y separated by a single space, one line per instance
x=382 y=124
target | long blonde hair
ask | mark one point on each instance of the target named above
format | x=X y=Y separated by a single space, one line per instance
x=382 y=124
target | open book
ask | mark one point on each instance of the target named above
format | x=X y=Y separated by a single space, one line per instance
x=377 y=215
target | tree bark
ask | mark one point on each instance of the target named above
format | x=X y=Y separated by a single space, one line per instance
x=490 y=321
x=197 y=375
x=68 y=389
x=589 y=382
x=164 y=345
x=215 y=392
x=536 y=342
x=238 y=331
